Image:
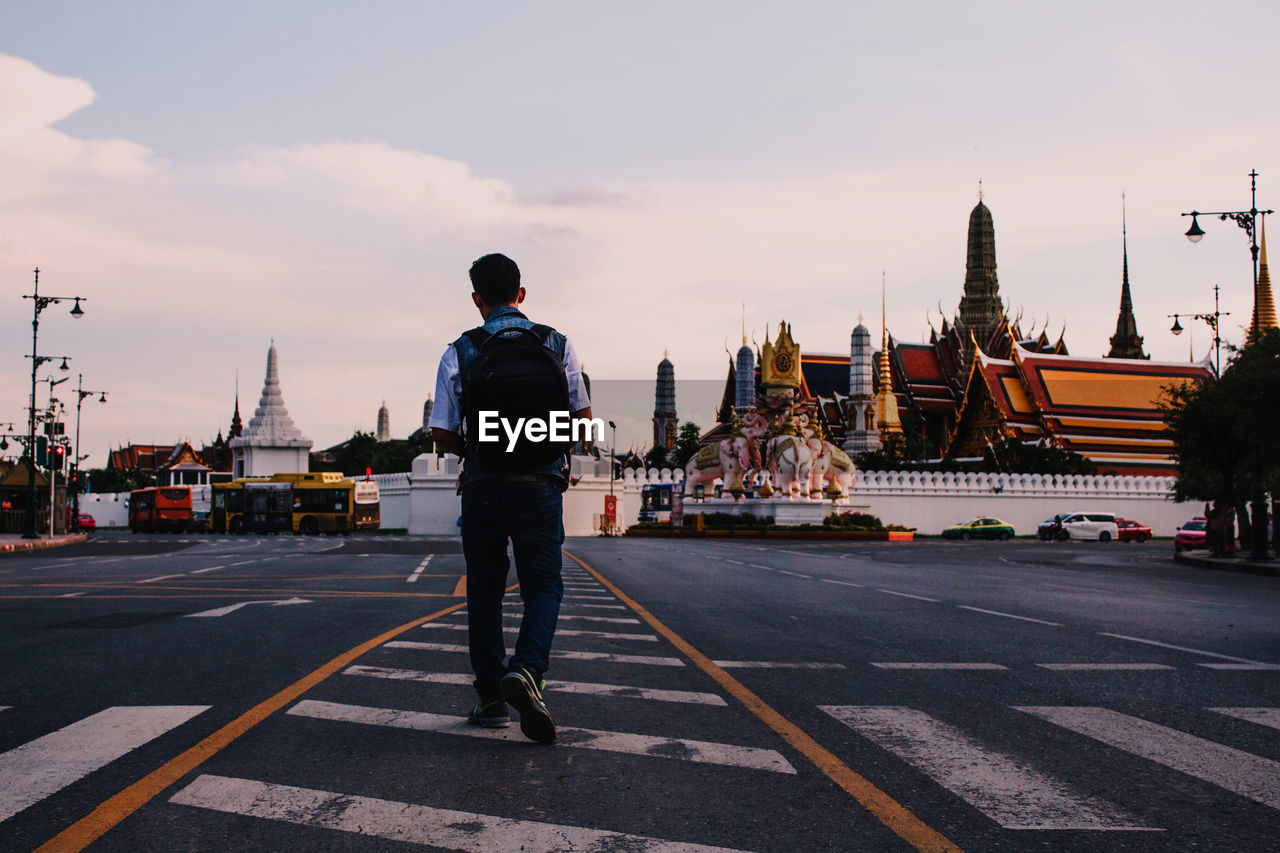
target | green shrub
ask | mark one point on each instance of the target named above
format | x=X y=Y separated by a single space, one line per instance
x=852 y=521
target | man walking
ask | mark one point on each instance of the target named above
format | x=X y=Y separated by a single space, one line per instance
x=506 y=369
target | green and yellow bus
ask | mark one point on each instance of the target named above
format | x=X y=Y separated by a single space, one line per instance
x=310 y=504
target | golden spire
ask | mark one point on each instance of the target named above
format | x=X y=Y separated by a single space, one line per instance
x=1264 y=306
x=887 y=420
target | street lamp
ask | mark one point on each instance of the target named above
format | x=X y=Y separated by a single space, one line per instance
x=75 y=489
x=1246 y=219
x=613 y=453
x=1213 y=321
x=39 y=303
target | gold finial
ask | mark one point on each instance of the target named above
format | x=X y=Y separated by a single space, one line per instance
x=744 y=324
x=979 y=189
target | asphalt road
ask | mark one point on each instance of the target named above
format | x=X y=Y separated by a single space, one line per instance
x=162 y=694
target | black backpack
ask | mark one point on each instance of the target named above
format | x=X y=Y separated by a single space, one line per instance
x=515 y=374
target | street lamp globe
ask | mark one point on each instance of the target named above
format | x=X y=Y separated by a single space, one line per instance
x=1177 y=327
x=1195 y=232
x=76 y=310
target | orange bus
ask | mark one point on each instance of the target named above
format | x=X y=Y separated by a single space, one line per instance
x=167 y=508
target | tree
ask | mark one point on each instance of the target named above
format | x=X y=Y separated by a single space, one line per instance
x=688 y=440
x=363 y=451
x=113 y=480
x=1019 y=457
x=1224 y=448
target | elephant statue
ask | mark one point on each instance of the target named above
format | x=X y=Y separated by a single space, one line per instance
x=721 y=460
x=790 y=465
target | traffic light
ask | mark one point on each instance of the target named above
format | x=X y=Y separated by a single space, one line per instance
x=42 y=451
x=57 y=454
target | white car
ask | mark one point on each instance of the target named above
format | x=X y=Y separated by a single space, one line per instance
x=1100 y=526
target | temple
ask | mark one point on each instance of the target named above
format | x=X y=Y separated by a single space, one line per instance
x=980 y=380
x=270 y=444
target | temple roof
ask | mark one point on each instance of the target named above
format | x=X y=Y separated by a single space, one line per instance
x=271 y=425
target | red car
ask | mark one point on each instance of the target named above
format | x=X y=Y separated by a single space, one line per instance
x=87 y=522
x=1133 y=531
x=1190 y=535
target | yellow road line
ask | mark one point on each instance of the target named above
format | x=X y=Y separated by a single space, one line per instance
x=889 y=811
x=460 y=590
x=92 y=826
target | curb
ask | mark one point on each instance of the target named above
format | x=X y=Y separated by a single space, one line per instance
x=38 y=544
x=1226 y=564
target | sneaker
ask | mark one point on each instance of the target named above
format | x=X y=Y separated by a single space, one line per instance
x=490 y=715
x=524 y=693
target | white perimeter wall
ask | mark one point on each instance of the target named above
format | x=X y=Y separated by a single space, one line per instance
x=425 y=501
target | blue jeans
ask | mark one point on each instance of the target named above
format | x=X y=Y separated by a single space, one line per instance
x=529 y=514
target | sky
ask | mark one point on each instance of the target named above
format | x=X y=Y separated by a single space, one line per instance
x=214 y=177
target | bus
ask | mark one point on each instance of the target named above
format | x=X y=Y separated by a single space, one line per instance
x=167 y=508
x=655 y=502
x=309 y=504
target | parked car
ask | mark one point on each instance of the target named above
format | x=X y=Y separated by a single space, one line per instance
x=1050 y=528
x=87 y=522
x=1090 y=525
x=1133 y=531
x=1190 y=535
x=979 y=528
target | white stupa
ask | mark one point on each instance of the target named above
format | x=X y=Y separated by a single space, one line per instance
x=270 y=443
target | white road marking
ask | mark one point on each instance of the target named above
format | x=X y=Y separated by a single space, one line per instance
x=587 y=688
x=417 y=573
x=1261 y=716
x=799 y=554
x=231 y=608
x=1103 y=667
x=1004 y=788
x=210 y=569
x=795 y=574
x=618 y=620
x=909 y=595
x=33 y=771
x=558 y=654
x=601 y=635
x=575 y=598
x=771 y=664
x=841 y=583
x=1008 y=615
x=933 y=665
x=1266 y=667
x=71 y=595
x=1239 y=772
x=758 y=566
x=160 y=578
x=409 y=823
x=1179 y=648
x=602 y=606
x=701 y=752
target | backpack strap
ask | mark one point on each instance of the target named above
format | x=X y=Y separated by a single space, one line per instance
x=477 y=336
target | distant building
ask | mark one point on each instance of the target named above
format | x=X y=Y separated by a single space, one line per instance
x=384 y=423
x=664 y=405
x=270 y=444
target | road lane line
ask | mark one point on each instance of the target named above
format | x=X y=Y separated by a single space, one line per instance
x=160 y=578
x=795 y=574
x=909 y=595
x=1237 y=771
x=735 y=562
x=409 y=823
x=617 y=620
x=1103 y=667
x=581 y=687
x=1238 y=667
x=557 y=654
x=1009 y=615
x=37 y=769
x=460 y=588
x=71 y=595
x=1002 y=787
x=600 y=635
x=696 y=751
x=1179 y=648
x=102 y=819
x=1261 y=716
x=841 y=583
x=937 y=665
x=887 y=810
x=417 y=573
x=247 y=562
x=603 y=606
x=210 y=569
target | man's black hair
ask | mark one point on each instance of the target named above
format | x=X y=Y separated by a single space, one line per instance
x=496 y=279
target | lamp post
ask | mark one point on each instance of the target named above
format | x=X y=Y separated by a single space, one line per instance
x=39 y=303
x=1248 y=220
x=1213 y=321
x=613 y=452
x=81 y=394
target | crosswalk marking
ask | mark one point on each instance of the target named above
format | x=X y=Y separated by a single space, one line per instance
x=617 y=620
x=1262 y=716
x=773 y=664
x=560 y=632
x=33 y=771
x=1102 y=667
x=581 y=687
x=558 y=654
x=701 y=752
x=410 y=823
x=937 y=665
x=602 y=606
x=1239 y=772
x=1005 y=789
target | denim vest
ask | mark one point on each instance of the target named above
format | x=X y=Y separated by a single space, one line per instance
x=505 y=317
